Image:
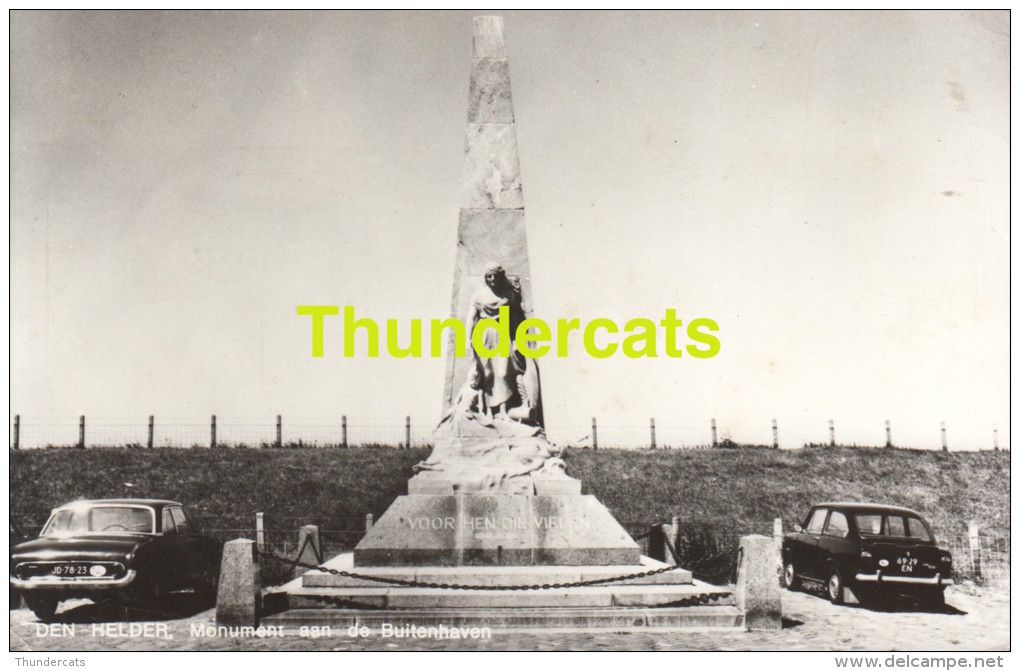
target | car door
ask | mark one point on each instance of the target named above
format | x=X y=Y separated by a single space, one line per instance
x=172 y=553
x=835 y=545
x=810 y=565
x=191 y=553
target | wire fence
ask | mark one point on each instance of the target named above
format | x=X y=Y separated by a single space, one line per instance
x=411 y=431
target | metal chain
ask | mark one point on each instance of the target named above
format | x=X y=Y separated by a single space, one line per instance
x=493 y=588
x=693 y=600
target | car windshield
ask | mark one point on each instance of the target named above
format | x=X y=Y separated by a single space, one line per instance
x=898 y=526
x=100 y=519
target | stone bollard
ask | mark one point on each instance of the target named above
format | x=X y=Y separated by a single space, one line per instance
x=667 y=540
x=310 y=551
x=238 y=600
x=757 y=592
x=656 y=543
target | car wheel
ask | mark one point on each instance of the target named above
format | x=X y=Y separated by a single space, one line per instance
x=151 y=591
x=934 y=600
x=44 y=607
x=790 y=579
x=207 y=588
x=834 y=586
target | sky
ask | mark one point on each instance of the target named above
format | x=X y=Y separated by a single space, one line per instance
x=832 y=188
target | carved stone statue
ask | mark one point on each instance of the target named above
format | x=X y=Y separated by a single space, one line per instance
x=509 y=384
x=491 y=438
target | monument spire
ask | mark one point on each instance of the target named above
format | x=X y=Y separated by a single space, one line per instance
x=491 y=228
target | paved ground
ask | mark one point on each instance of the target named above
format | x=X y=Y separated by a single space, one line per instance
x=974 y=619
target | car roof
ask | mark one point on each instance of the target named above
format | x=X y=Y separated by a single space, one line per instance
x=872 y=507
x=156 y=503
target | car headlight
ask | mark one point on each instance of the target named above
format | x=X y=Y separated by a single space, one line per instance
x=883 y=562
x=865 y=554
x=97 y=571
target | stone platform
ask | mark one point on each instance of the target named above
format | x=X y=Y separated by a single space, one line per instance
x=672 y=599
x=496 y=530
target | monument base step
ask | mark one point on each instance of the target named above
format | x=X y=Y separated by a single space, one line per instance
x=398 y=622
x=600 y=596
x=490 y=575
x=671 y=599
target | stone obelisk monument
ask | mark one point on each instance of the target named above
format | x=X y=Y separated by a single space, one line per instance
x=491 y=228
x=494 y=491
x=492 y=530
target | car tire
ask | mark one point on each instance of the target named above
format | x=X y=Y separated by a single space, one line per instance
x=834 y=586
x=208 y=587
x=934 y=600
x=790 y=579
x=44 y=607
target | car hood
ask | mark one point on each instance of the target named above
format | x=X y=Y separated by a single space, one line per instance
x=94 y=547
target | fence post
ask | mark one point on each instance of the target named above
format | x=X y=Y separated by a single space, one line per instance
x=594 y=435
x=407 y=431
x=715 y=440
x=279 y=431
x=343 y=431
x=17 y=431
x=81 y=432
x=775 y=434
x=975 y=549
x=832 y=433
x=888 y=434
x=260 y=531
x=777 y=531
x=212 y=432
x=675 y=536
x=945 y=443
x=995 y=435
x=368 y=522
x=652 y=421
x=151 y=425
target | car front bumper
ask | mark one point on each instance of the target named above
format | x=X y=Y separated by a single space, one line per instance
x=83 y=582
x=936 y=581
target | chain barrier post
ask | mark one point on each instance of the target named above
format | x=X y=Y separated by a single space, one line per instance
x=260 y=531
x=152 y=422
x=81 y=432
x=17 y=431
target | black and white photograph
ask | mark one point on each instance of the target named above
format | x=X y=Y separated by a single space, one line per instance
x=510 y=331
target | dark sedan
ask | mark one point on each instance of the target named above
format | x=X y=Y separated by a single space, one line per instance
x=870 y=549
x=91 y=549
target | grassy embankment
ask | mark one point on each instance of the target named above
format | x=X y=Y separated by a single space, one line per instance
x=735 y=491
x=719 y=494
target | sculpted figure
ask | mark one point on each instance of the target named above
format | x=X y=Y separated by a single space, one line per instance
x=491 y=438
x=509 y=384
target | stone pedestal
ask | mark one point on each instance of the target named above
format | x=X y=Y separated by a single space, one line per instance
x=496 y=530
x=238 y=597
x=757 y=591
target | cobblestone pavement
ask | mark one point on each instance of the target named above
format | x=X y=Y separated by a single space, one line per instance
x=974 y=619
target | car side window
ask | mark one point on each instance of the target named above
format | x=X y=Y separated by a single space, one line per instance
x=837 y=525
x=894 y=526
x=182 y=522
x=916 y=529
x=817 y=521
x=168 y=523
